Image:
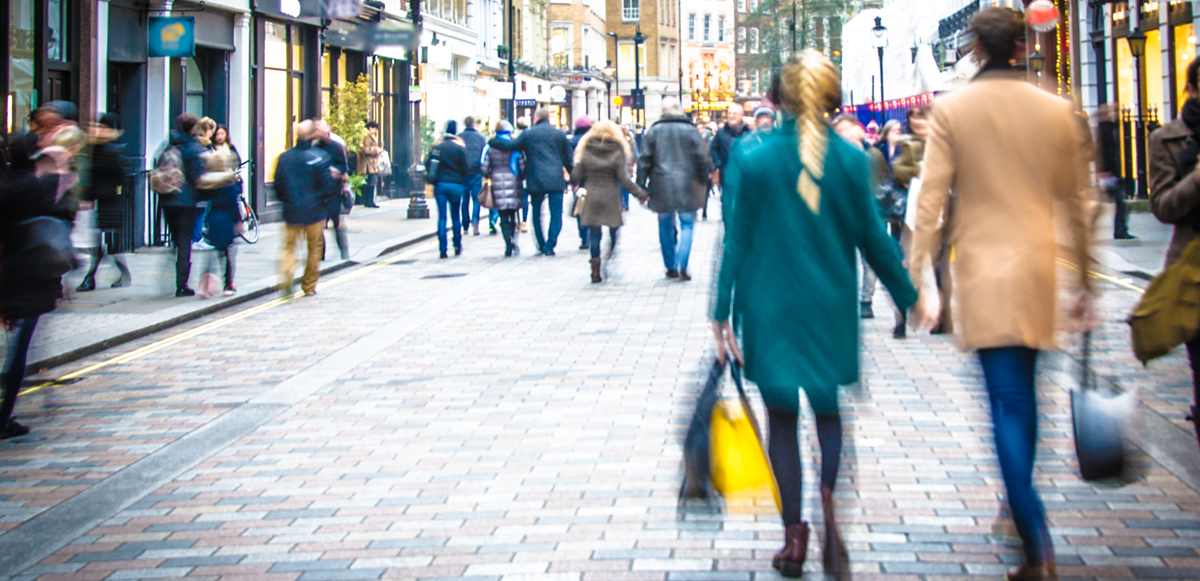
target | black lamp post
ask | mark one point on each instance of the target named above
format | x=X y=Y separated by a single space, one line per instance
x=639 y=101
x=1137 y=48
x=879 y=41
x=616 y=70
x=512 y=72
x=609 y=72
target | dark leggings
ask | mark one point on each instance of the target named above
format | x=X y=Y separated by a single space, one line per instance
x=14 y=368
x=784 y=451
x=508 y=227
x=1193 y=349
x=593 y=239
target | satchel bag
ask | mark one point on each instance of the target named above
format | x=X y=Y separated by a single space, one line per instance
x=1099 y=420
x=579 y=203
x=1169 y=313
x=486 y=199
x=739 y=467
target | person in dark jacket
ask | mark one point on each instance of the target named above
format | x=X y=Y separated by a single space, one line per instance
x=336 y=148
x=224 y=187
x=504 y=169
x=548 y=154
x=674 y=168
x=602 y=160
x=180 y=208
x=449 y=185
x=27 y=290
x=474 y=142
x=1109 y=144
x=108 y=169
x=303 y=182
x=722 y=143
x=582 y=125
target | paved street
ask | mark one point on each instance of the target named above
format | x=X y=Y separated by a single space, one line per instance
x=503 y=419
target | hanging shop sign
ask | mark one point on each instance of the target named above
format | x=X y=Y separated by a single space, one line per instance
x=558 y=94
x=172 y=36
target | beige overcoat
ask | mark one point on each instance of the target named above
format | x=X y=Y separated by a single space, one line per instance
x=1013 y=155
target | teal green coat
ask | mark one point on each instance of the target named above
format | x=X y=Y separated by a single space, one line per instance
x=790 y=275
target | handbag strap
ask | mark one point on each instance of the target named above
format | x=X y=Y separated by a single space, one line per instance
x=736 y=371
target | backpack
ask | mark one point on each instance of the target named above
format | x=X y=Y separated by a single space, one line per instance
x=1169 y=313
x=435 y=160
x=167 y=178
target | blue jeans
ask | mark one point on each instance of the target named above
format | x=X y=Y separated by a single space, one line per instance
x=449 y=197
x=1009 y=372
x=547 y=242
x=493 y=218
x=676 y=244
x=198 y=225
x=470 y=207
x=14 y=367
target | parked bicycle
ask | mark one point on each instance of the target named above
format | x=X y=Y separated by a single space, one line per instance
x=248 y=228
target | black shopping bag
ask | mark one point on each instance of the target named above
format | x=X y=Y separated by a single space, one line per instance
x=1099 y=418
x=697 y=479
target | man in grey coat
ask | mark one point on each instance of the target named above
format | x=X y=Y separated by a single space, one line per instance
x=674 y=167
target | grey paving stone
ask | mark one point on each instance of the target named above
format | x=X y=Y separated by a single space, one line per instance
x=1165 y=573
x=922 y=568
x=631 y=554
x=285 y=567
x=349 y=575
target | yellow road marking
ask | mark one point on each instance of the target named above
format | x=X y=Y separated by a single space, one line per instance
x=219 y=323
x=1101 y=276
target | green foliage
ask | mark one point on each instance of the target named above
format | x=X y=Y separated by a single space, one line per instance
x=428 y=131
x=356 y=181
x=348 y=110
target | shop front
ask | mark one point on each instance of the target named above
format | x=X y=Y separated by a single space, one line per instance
x=42 y=55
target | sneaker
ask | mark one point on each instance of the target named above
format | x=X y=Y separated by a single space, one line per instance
x=684 y=276
x=229 y=291
x=549 y=253
x=524 y=227
x=443 y=255
x=311 y=293
x=1126 y=237
x=13 y=430
x=201 y=245
x=584 y=246
x=672 y=273
x=185 y=292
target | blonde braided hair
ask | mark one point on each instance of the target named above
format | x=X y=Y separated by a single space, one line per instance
x=809 y=87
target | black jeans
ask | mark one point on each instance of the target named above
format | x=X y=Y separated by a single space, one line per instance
x=593 y=240
x=508 y=229
x=1193 y=349
x=14 y=368
x=180 y=220
x=1121 y=215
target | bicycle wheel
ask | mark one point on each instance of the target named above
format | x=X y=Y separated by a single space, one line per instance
x=250 y=232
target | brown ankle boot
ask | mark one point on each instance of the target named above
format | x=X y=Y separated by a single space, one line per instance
x=1029 y=572
x=835 y=557
x=789 y=561
x=595 y=270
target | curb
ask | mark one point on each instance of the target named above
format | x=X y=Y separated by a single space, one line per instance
x=78 y=353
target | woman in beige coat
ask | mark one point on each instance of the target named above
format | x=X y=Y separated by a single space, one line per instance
x=368 y=163
x=602 y=161
x=1012 y=153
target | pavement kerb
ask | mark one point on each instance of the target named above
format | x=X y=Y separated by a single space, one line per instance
x=261 y=288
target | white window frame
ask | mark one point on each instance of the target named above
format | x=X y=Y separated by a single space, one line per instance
x=753 y=41
x=741 y=6
x=692 y=26
x=721 y=28
x=707 y=27
x=631 y=10
x=741 y=40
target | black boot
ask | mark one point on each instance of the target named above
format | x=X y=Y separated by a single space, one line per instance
x=126 y=278
x=88 y=283
x=900 y=331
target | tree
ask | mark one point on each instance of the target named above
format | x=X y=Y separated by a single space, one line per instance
x=348 y=110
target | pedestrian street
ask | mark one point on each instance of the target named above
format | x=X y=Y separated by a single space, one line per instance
x=505 y=419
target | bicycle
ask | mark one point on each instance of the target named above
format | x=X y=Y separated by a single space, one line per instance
x=248 y=227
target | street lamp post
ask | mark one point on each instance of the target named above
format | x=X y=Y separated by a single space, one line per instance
x=639 y=104
x=609 y=72
x=512 y=71
x=879 y=41
x=1137 y=48
x=616 y=69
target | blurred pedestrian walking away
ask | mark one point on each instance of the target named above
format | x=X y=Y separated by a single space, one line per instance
x=583 y=124
x=602 y=167
x=174 y=179
x=303 y=182
x=109 y=167
x=503 y=170
x=548 y=157
x=224 y=186
x=474 y=142
x=1108 y=141
x=1175 y=193
x=721 y=148
x=335 y=146
x=368 y=164
x=449 y=186
x=1006 y=190
x=674 y=169
x=804 y=206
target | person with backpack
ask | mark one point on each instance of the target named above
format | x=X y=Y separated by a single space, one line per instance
x=36 y=211
x=108 y=170
x=174 y=179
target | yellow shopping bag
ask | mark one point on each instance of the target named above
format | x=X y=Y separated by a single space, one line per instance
x=739 y=468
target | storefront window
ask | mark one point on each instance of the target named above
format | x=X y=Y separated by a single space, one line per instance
x=194 y=100
x=1153 y=68
x=20 y=95
x=276 y=45
x=283 y=92
x=57 y=31
x=1185 y=51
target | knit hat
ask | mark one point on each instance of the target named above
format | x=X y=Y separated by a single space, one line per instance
x=583 y=122
x=452 y=127
x=764 y=111
x=505 y=126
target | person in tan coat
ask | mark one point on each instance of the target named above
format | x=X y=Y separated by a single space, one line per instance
x=1012 y=153
x=368 y=163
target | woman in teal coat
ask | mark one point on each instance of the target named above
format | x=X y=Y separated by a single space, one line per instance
x=803 y=206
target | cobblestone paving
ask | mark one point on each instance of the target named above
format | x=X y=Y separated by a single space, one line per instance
x=516 y=423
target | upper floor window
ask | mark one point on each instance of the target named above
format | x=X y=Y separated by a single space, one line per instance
x=691 y=27
x=741 y=5
x=741 y=39
x=753 y=41
x=721 y=29
x=753 y=5
x=631 y=10
x=707 y=26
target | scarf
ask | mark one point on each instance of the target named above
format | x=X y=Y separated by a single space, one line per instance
x=1191 y=117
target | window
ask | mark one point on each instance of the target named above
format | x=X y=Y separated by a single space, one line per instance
x=626 y=59
x=721 y=29
x=631 y=10
x=691 y=27
x=560 y=56
x=283 y=76
x=753 y=5
x=741 y=5
x=57 y=30
x=707 y=26
x=753 y=41
x=741 y=40
x=754 y=83
x=194 y=96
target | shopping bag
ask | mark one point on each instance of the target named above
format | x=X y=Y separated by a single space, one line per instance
x=1168 y=315
x=486 y=199
x=580 y=201
x=739 y=468
x=697 y=481
x=1099 y=419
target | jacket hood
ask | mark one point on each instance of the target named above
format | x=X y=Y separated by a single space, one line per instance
x=179 y=138
x=605 y=151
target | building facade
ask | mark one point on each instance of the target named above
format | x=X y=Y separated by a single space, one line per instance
x=657 y=59
x=769 y=31
x=708 y=58
x=578 y=57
